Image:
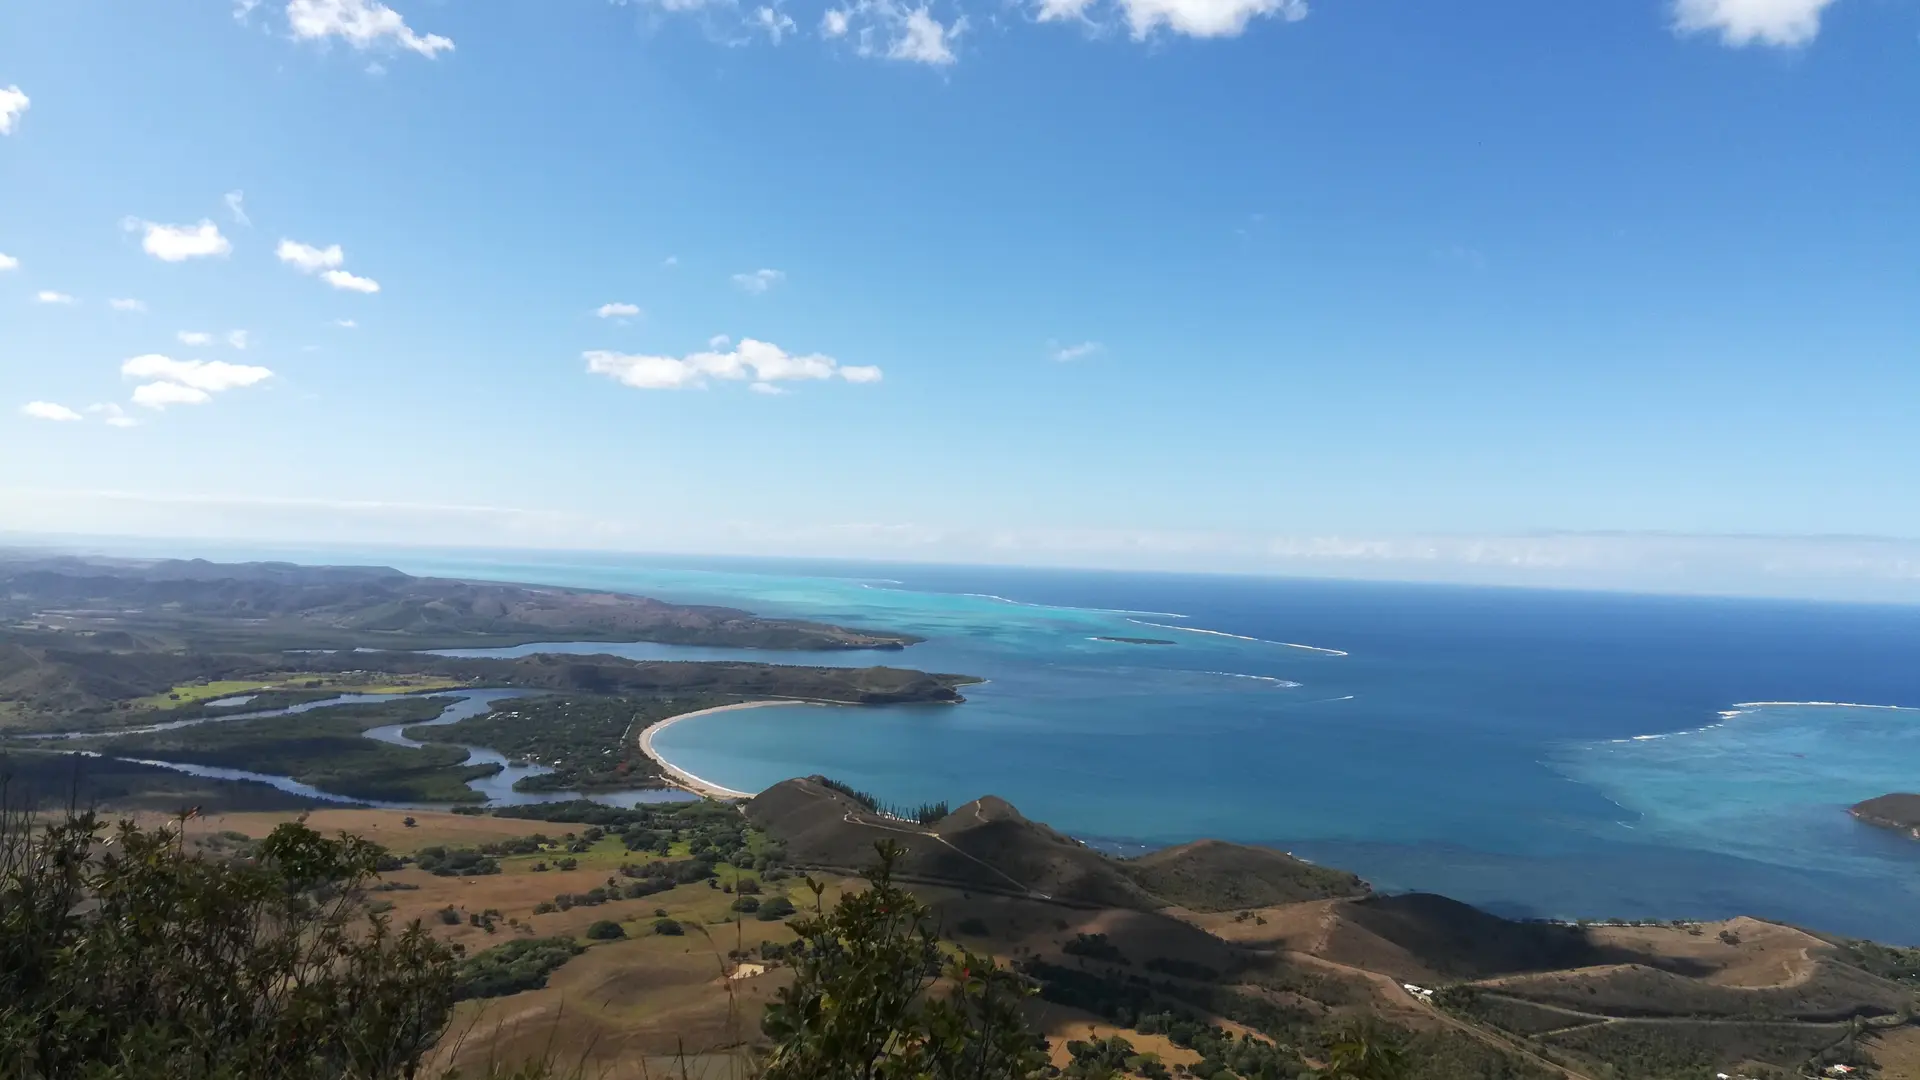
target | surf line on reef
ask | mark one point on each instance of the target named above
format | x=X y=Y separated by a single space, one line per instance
x=681 y=777
x=1239 y=637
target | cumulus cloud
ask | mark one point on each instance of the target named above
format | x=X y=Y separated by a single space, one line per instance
x=750 y=361
x=1204 y=18
x=114 y=415
x=159 y=395
x=8 y=262
x=186 y=382
x=307 y=258
x=1066 y=354
x=48 y=296
x=127 y=303
x=47 y=410
x=1781 y=23
x=362 y=24
x=178 y=243
x=236 y=205
x=325 y=261
x=13 y=103
x=891 y=29
x=617 y=310
x=340 y=279
x=194 y=337
x=758 y=281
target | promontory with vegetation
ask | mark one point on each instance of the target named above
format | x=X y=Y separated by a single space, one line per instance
x=1896 y=811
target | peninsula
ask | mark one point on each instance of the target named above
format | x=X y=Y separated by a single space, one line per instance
x=1896 y=811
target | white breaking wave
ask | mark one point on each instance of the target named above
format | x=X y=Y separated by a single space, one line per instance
x=1062 y=607
x=1281 y=683
x=1829 y=704
x=1238 y=637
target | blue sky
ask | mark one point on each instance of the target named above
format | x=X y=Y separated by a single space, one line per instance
x=1488 y=290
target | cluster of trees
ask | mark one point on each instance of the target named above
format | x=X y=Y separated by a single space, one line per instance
x=443 y=861
x=523 y=964
x=925 y=813
x=589 y=742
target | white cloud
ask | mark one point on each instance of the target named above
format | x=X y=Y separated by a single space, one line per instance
x=186 y=382
x=236 y=205
x=345 y=324
x=1066 y=354
x=1781 y=23
x=765 y=388
x=243 y=8
x=925 y=40
x=758 y=281
x=13 y=104
x=8 y=262
x=307 y=258
x=750 y=360
x=114 y=415
x=212 y=376
x=671 y=260
x=159 y=395
x=178 y=243
x=891 y=29
x=616 y=310
x=340 y=279
x=48 y=296
x=719 y=341
x=237 y=338
x=776 y=24
x=47 y=410
x=362 y=24
x=128 y=304
x=1203 y=18
x=194 y=337
x=1061 y=10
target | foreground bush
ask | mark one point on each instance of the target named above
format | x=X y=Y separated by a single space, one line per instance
x=121 y=956
x=873 y=995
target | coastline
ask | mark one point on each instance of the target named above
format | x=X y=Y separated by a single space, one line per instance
x=680 y=777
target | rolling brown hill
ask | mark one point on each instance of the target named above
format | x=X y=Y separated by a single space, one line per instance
x=1212 y=875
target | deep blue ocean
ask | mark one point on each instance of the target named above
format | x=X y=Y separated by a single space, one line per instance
x=1555 y=754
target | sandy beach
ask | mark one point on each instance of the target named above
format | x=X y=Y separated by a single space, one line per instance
x=682 y=777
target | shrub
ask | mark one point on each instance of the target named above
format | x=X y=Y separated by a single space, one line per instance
x=515 y=966
x=748 y=904
x=667 y=927
x=775 y=909
x=127 y=959
x=606 y=930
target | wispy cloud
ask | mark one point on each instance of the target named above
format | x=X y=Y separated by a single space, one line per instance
x=749 y=361
x=8 y=262
x=758 y=281
x=345 y=324
x=48 y=296
x=1066 y=354
x=128 y=304
x=362 y=24
x=194 y=337
x=617 y=311
x=237 y=338
x=1780 y=23
x=47 y=410
x=178 y=243
x=114 y=415
x=13 y=105
x=892 y=30
x=236 y=205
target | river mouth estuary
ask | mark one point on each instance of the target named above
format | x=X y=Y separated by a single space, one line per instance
x=496 y=788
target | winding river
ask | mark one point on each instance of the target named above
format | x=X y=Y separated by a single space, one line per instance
x=496 y=789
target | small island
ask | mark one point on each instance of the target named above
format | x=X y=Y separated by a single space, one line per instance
x=1896 y=811
x=1135 y=640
